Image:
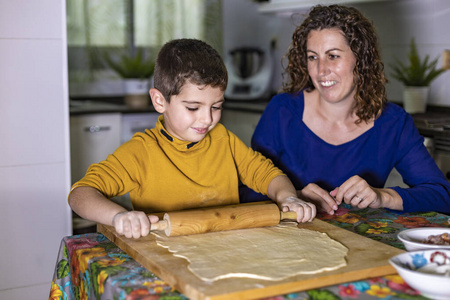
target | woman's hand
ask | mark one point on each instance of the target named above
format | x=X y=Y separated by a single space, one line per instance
x=133 y=224
x=320 y=197
x=357 y=192
x=306 y=211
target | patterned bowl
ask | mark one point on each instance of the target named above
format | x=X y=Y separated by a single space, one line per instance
x=413 y=238
x=427 y=271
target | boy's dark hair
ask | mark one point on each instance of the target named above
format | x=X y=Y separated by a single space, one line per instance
x=189 y=60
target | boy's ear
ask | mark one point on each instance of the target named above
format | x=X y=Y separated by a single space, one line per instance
x=158 y=100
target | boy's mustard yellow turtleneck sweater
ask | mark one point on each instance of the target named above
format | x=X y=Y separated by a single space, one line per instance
x=162 y=173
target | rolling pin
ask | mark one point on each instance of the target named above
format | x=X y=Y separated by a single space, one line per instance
x=195 y=221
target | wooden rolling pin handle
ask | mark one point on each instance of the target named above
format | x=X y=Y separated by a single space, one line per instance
x=288 y=215
x=161 y=225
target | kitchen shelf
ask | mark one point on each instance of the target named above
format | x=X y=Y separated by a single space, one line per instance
x=292 y=6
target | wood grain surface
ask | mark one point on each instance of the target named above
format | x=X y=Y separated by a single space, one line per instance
x=366 y=258
x=213 y=219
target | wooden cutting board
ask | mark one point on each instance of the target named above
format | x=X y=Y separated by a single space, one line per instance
x=366 y=258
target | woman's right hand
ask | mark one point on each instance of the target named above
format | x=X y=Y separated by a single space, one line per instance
x=319 y=197
x=133 y=224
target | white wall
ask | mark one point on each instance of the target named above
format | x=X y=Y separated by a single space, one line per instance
x=396 y=22
x=428 y=22
x=34 y=148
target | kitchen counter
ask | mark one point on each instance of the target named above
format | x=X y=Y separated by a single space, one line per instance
x=113 y=105
x=82 y=107
x=431 y=120
x=435 y=123
x=90 y=265
x=248 y=106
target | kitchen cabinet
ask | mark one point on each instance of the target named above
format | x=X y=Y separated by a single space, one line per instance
x=137 y=122
x=92 y=138
x=242 y=120
x=96 y=135
x=442 y=159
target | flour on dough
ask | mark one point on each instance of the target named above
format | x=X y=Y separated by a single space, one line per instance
x=269 y=253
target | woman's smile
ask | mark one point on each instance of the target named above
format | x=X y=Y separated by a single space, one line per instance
x=327 y=83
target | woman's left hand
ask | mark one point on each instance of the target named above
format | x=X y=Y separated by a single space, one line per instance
x=357 y=192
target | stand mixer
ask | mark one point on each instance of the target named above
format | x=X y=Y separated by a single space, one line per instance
x=249 y=73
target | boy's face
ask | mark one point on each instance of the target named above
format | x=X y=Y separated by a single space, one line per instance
x=192 y=113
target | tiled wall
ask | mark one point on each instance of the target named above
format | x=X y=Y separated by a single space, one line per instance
x=34 y=153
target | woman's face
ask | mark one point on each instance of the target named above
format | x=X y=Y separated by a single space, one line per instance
x=330 y=65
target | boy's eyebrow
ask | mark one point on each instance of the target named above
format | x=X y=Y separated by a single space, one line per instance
x=199 y=102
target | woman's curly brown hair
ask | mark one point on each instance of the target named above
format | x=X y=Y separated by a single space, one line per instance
x=363 y=41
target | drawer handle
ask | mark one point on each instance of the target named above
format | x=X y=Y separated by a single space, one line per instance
x=96 y=128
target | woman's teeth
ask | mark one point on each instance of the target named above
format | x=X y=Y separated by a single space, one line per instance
x=328 y=83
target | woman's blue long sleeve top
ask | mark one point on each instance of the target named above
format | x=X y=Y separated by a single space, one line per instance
x=393 y=142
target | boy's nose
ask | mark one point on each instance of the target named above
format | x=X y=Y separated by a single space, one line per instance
x=206 y=117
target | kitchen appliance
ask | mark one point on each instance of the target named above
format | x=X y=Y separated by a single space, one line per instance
x=249 y=73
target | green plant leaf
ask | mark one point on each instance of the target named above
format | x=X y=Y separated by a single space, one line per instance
x=131 y=66
x=418 y=72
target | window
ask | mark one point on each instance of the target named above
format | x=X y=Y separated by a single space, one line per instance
x=97 y=28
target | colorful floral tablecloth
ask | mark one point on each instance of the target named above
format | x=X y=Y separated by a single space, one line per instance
x=89 y=266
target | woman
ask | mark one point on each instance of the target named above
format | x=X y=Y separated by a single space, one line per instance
x=333 y=131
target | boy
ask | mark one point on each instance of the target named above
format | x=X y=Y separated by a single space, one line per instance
x=188 y=160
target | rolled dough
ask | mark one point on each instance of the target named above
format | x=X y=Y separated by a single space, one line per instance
x=269 y=253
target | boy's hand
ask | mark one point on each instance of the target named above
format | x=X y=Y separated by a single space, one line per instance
x=133 y=224
x=305 y=211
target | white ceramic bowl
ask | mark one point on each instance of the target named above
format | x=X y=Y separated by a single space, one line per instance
x=413 y=238
x=434 y=285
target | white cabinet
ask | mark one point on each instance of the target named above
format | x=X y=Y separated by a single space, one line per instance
x=443 y=161
x=92 y=138
x=95 y=135
x=137 y=122
x=242 y=123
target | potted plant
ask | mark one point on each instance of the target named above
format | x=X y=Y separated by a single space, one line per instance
x=136 y=71
x=416 y=78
